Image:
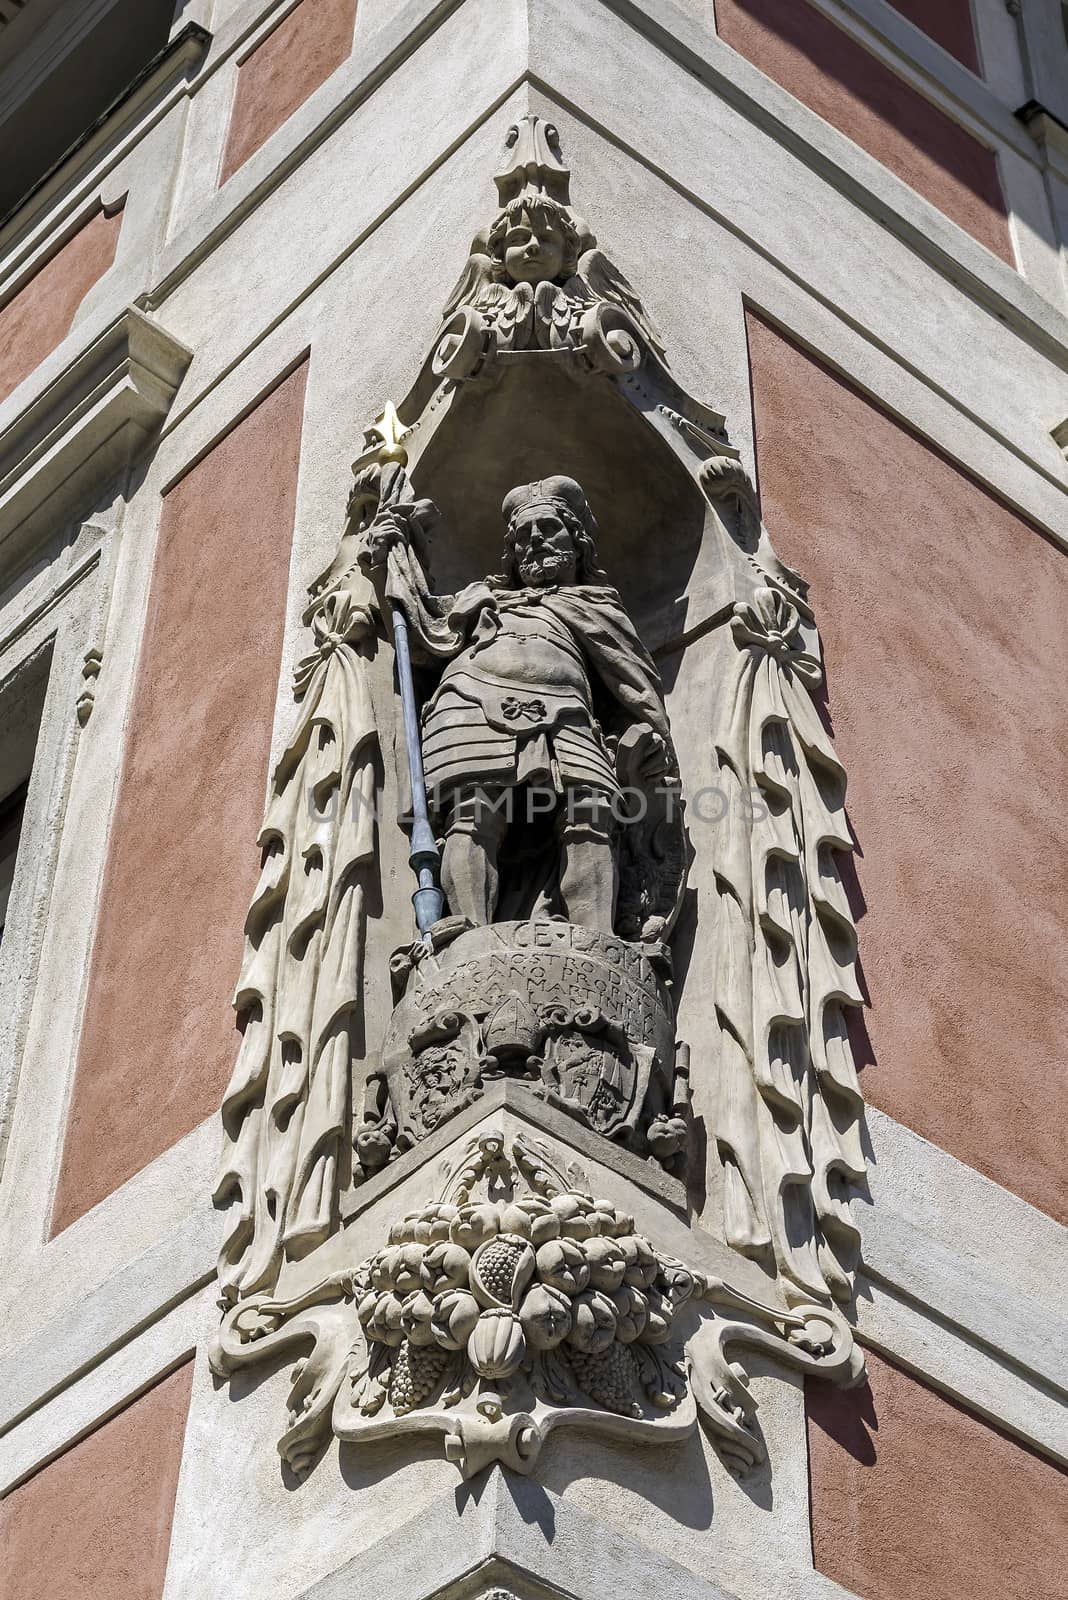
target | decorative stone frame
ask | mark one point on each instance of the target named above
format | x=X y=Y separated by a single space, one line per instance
x=47 y=631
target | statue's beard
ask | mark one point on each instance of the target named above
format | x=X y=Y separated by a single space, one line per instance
x=549 y=568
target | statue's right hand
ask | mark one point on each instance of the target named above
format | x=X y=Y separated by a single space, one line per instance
x=384 y=531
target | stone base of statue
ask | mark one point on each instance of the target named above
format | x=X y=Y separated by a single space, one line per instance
x=585 y=1017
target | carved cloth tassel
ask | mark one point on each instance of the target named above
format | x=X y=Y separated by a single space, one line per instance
x=790 y=1111
x=286 y=1113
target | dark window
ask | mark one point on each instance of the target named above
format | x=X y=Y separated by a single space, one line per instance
x=55 y=113
x=12 y=810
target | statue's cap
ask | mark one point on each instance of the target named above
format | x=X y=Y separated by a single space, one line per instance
x=553 y=494
x=532 y=163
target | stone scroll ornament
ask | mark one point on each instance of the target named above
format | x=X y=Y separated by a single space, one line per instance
x=517 y=1304
x=510 y=1308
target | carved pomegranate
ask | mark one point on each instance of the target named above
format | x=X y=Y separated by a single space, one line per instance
x=501 y=1270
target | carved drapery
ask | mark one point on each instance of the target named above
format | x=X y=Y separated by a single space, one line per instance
x=790 y=1110
x=287 y=1112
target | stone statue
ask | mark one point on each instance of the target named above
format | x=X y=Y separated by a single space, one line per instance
x=547 y=731
x=554 y=787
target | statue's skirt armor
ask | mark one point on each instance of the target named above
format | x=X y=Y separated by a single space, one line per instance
x=516 y=707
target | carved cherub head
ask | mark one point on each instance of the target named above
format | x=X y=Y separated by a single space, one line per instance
x=533 y=239
x=551 y=536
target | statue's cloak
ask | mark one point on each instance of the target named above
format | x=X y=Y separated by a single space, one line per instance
x=593 y=614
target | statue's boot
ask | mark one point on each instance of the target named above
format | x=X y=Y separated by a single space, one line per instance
x=588 y=872
x=473 y=838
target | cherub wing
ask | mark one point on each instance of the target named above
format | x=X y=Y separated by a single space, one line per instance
x=475 y=286
x=602 y=280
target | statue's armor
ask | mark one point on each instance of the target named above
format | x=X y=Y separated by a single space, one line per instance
x=515 y=706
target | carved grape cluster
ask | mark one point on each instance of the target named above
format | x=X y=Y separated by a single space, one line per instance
x=508 y=1282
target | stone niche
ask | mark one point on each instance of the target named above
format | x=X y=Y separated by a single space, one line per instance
x=538 y=416
x=489 y=1240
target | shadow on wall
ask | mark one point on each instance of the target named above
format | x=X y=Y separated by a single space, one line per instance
x=848 y=1416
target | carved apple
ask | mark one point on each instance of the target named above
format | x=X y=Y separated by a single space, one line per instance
x=593 y=1326
x=445 y=1266
x=387 y=1320
x=545 y=1316
x=416 y=1318
x=632 y=1313
x=573 y=1211
x=607 y=1263
x=455 y=1315
x=435 y=1222
x=473 y=1225
x=657 y=1328
x=562 y=1265
x=642 y=1265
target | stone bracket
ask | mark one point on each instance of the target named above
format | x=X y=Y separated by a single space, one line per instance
x=88 y=424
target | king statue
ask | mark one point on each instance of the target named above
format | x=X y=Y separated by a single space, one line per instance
x=546 y=745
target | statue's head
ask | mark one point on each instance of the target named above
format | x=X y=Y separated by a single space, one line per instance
x=551 y=536
x=534 y=240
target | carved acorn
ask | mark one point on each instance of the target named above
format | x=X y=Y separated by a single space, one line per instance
x=593 y=1324
x=562 y=1265
x=501 y=1269
x=545 y=1316
x=497 y=1346
x=607 y=1263
x=455 y=1315
x=444 y=1267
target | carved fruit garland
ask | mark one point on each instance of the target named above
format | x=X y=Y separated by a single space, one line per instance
x=494 y=1320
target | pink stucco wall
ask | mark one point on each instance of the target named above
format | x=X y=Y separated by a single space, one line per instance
x=943 y=619
x=158 y=1036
